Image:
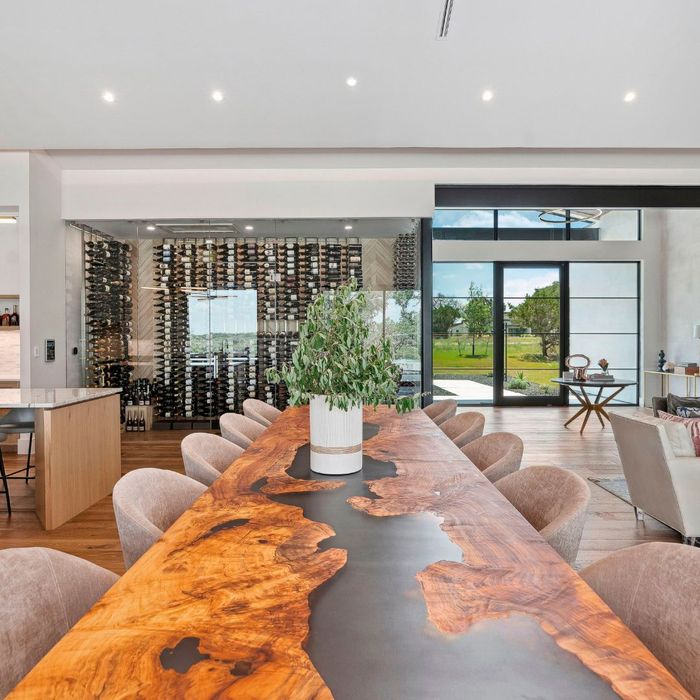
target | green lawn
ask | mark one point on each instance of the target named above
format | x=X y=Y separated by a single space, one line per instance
x=453 y=356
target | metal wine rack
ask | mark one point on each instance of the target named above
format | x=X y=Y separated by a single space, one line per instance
x=287 y=275
x=107 y=311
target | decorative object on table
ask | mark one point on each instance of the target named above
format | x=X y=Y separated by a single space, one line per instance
x=336 y=370
x=603 y=376
x=589 y=403
x=662 y=361
x=686 y=368
x=603 y=364
x=568 y=376
x=669 y=366
x=579 y=365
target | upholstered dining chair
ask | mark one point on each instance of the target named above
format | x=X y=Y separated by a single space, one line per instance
x=146 y=503
x=44 y=593
x=496 y=454
x=653 y=588
x=440 y=411
x=464 y=427
x=554 y=501
x=261 y=412
x=240 y=430
x=208 y=456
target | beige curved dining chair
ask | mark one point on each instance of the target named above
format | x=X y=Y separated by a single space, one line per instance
x=44 y=593
x=208 y=456
x=464 y=427
x=496 y=454
x=554 y=501
x=146 y=503
x=653 y=588
x=440 y=411
x=261 y=412
x=240 y=430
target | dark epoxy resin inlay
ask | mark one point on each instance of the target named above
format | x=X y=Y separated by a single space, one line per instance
x=369 y=632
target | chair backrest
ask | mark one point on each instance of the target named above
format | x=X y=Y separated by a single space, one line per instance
x=208 y=456
x=261 y=412
x=495 y=454
x=464 y=427
x=554 y=501
x=653 y=588
x=44 y=593
x=146 y=503
x=644 y=450
x=440 y=411
x=240 y=430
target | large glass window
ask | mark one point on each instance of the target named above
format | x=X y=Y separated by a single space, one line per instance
x=463 y=340
x=537 y=224
x=604 y=318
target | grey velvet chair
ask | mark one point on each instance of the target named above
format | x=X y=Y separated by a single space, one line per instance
x=464 y=427
x=440 y=411
x=240 y=430
x=653 y=588
x=261 y=412
x=496 y=454
x=44 y=593
x=146 y=503
x=554 y=501
x=208 y=456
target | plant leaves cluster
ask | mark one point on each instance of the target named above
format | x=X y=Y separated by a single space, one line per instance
x=335 y=358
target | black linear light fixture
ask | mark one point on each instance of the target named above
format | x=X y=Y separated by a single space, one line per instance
x=445 y=16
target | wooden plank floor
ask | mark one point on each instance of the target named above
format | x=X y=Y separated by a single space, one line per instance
x=611 y=523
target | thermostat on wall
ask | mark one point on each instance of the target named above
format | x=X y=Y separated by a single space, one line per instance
x=49 y=350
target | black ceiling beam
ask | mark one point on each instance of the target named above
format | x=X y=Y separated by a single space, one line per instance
x=567 y=196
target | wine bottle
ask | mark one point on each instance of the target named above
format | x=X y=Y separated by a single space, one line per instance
x=14 y=316
x=142 y=424
x=5 y=318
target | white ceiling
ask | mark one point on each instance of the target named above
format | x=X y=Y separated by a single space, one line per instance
x=558 y=70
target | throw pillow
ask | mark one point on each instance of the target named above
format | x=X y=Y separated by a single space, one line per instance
x=675 y=402
x=687 y=412
x=692 y=425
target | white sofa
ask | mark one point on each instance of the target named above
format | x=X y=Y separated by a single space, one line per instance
x=661 y=469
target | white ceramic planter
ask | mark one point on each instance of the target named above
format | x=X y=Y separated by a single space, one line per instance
x=336 y=438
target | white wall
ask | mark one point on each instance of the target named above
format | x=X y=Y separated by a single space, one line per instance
x=47 y=272
x=9 y=259
x=680 y=294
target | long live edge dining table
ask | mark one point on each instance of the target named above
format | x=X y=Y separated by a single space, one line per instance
x=414 y=578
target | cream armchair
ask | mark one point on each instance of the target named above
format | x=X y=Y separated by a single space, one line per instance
x=662 y=471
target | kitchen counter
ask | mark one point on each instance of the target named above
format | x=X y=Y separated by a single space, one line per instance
x=50 y=398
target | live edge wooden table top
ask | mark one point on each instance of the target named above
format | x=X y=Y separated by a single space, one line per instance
x=421 y=581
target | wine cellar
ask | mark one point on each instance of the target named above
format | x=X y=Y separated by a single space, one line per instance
x=191 y=371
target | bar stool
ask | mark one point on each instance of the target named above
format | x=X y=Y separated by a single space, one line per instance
x=20 y=421
x=3 y=477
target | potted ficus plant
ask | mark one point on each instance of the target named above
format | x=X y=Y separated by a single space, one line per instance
x=337 y=370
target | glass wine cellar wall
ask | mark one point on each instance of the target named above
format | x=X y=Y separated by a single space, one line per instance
x=186 y=316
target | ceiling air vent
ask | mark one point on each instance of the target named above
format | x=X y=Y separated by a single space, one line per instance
x=445 y=15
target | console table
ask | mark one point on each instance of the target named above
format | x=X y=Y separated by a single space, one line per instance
x=597 y=405
x=78 y=449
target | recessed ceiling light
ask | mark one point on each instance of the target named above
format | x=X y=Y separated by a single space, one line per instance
x=348 y=227
x=630 y=96
x=487 y=95
x=248 y=228
x=151 y=227
x=351 y=81
x=108 y=96
x=217 y=96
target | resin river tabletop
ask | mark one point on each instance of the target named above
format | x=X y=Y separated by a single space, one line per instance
x=412 y=579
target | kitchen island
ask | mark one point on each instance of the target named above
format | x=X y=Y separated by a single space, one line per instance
x=78 y=450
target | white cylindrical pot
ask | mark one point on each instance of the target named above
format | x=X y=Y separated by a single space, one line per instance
x=336 y=438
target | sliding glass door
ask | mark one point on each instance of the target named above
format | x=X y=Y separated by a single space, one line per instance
x=531 y=330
